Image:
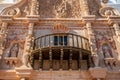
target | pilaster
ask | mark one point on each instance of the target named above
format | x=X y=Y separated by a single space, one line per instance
x=91 y=36
x=5 y=19
x=3 y=36
x=28 y=45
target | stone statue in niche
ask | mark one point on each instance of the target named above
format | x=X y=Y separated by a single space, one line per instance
x=106 y=51
x=14 y=50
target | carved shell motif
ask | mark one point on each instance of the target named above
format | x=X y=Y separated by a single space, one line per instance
x=108 y=11
x=15 y=12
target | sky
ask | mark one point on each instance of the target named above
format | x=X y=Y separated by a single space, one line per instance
x=8 y=1
x=11 y=1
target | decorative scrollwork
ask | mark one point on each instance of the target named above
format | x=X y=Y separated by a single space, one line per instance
x=108 y=11
x=15 y=12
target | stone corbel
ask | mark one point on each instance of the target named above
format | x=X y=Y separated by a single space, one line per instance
x=112 y=63
x=11 y=61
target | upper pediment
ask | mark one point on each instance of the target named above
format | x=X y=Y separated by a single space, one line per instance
x=59 y=9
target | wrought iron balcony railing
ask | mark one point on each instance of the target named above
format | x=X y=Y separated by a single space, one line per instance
x=60 y=51
x=61 y=40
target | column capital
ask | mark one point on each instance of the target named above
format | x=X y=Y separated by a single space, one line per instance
x=88 y=24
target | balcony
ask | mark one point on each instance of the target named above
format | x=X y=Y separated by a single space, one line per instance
x=61 y=51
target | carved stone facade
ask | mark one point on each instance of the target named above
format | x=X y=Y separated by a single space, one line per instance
x=60 y=39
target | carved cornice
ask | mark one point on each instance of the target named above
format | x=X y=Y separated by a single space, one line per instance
x=114 y=19
x=51 y=21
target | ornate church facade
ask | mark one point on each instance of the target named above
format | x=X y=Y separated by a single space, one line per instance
x=59 y=40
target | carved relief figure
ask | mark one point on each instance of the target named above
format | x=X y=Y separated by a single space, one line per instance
x=94 y=9
x=61 y=9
